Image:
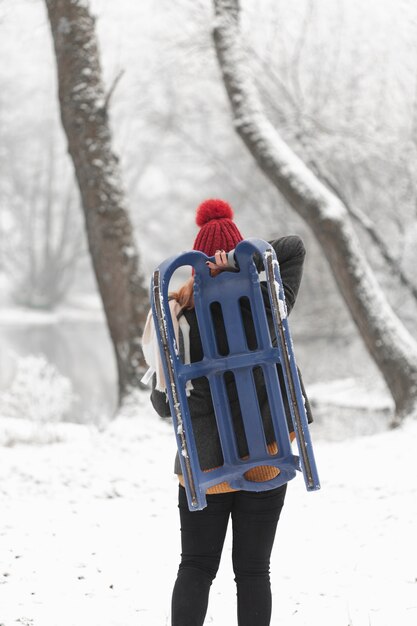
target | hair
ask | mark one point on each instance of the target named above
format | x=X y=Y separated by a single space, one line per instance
x=185 y=294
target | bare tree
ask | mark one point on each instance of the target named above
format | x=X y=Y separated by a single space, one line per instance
x=392 y=261
x=84 y=115
x=43 y=240
x=391 y=346
x=307 y=133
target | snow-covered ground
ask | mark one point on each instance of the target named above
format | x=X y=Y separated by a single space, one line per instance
x=89 y=531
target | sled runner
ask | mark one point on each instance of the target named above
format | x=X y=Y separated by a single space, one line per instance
x=227 y=289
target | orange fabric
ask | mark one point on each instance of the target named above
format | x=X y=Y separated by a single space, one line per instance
x=257 y=474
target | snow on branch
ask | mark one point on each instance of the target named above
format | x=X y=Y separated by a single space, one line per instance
x=295 y=180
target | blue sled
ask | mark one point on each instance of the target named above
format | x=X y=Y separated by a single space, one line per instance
x=227 y=289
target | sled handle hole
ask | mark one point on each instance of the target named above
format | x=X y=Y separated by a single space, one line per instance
x=219 y=329
x=247 y=321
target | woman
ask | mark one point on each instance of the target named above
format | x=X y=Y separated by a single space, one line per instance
x=254 y=514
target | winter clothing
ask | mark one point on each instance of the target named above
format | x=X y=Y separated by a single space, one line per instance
x=218 y=231
x=254 y=517
x=150 y=344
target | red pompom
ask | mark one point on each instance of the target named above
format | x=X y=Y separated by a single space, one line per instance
x=213 y=209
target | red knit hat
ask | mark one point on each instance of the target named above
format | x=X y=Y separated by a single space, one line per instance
x=217 y=229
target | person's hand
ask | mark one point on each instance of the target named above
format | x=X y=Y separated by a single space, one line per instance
x=220 y=264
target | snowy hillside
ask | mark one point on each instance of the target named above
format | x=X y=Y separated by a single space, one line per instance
x=89 y=532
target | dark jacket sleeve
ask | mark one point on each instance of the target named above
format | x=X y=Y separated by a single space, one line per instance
x=290 y=253
x=159 y=400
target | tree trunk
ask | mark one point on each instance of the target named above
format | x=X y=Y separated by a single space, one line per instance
x=390 y=344
x=109 y=230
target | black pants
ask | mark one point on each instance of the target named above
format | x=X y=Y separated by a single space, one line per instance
x=254 y=518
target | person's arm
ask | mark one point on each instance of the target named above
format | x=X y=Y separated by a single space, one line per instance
x=290 y=253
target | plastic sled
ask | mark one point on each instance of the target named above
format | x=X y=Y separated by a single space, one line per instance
x=227 y=288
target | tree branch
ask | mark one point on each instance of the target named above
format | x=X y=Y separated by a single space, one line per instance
x=112 y=89
x=389 y=343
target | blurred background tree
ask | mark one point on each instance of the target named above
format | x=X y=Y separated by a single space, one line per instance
x=389 y=343
x=337 y=77
x=84 y=108
x=43 y=233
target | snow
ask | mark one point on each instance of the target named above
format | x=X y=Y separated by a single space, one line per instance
x=281 y=302
x=82 y=308
x=38 y=391
x=90 y=535
x=345 y=392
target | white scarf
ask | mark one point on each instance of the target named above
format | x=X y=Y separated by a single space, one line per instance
x=150 y=346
